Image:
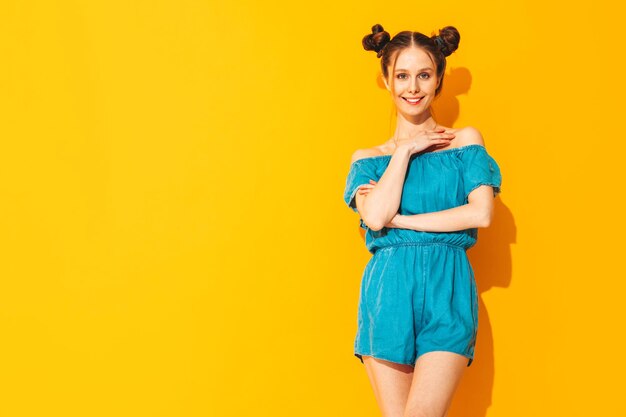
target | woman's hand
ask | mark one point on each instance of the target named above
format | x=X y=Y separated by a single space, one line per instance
x=426 y=139
x=365 y=188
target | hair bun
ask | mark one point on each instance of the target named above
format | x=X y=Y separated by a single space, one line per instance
x=376 y=40
x=448 y=40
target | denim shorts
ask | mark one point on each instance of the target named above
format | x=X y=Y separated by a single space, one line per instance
x=417 y=298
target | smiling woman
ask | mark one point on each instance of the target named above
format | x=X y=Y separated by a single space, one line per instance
x=421 y=196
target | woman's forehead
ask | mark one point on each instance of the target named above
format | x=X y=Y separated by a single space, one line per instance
x=410 y=58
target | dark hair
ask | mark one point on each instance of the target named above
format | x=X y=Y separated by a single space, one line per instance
x=380 y=42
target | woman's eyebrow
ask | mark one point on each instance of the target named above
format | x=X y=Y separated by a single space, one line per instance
x=422 y=69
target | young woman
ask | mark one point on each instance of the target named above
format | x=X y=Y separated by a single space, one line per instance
x=420 y=196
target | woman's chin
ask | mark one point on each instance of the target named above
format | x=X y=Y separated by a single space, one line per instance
x=411 y=113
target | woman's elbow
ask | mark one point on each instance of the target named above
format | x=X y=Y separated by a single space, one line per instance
x=486 y=218
x=374 y=221
x=373 y=224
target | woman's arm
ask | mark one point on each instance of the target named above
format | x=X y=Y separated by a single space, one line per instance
x=478 y=212
x=382 y=202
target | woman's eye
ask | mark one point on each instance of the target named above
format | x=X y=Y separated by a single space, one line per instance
x=402 y=76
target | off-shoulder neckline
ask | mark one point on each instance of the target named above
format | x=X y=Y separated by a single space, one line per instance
x=458 y=148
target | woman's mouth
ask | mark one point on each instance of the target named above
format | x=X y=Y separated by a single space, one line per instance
x=413 y=101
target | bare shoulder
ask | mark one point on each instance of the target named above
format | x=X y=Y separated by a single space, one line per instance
x=469 y=135
x=365 y=153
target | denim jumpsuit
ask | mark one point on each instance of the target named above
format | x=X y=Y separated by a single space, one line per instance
x=418 y=292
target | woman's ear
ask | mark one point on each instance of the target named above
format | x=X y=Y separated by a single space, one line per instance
x=385 y=81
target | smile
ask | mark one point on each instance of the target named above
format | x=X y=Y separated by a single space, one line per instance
x=413 y=101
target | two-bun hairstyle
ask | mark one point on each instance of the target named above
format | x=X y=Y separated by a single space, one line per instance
x=439 y=46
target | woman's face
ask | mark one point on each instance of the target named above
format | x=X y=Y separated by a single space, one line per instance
x=415 y=77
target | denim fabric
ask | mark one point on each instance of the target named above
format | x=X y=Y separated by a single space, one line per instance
x=418 y=291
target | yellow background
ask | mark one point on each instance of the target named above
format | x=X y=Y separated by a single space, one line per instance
x=174 y=240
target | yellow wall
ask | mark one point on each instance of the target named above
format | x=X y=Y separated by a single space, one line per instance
x=174 y=240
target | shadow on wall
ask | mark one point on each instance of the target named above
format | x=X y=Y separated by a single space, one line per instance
x=491 y=262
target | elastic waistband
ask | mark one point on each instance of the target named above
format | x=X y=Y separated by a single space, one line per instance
x=394 y=245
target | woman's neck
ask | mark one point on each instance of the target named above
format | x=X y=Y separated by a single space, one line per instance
x=408 y=128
